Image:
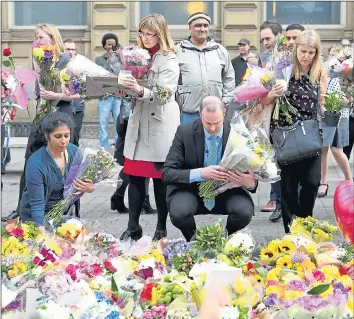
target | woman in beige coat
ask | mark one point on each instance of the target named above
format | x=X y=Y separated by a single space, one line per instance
x=152 y=124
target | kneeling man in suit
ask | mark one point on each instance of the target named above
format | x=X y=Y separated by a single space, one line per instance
x=193 y=158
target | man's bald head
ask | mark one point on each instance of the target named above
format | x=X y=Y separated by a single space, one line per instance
x=212 y=104
x=212 y=114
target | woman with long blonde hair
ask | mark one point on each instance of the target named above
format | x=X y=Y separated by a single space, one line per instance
x=305 y=92
x=152 y=124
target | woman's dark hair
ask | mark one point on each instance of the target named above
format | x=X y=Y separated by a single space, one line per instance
x=108 y=36
x=295 y=27
x=48 y=124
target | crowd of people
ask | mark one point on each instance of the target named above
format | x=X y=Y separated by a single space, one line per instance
x=178 y=140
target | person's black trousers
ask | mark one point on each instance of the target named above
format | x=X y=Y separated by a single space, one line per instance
x=348 y=149
x=136 y=197
x=78 y=119
x=307 y=173
x=236 y=203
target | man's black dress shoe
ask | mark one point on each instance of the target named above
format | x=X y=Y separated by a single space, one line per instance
x=14 y=214
x=159 y=233
x=133 y=234
x=276 y=215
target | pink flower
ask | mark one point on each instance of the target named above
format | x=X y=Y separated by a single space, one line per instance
x=17 y=232
x=319 y=275
x=71 y=271
x=44 y=252
x=108 y=265
x=95 y=270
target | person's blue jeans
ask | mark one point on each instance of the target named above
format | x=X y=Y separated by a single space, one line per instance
x=189 y=117
x=107 y=106
x=275 y=194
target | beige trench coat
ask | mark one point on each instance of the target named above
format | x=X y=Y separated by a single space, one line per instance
x=154 y=120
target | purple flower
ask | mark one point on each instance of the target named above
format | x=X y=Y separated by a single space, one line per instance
x=48 y=55
x=159 y=266
x=340 y=289
x=76 y=87
x=298 y=257
x=272 y=300
x=14 y=305
x=297 y=285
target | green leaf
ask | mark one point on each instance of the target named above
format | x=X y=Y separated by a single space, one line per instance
x=319 y=289
x=114 y=286
x=6 y=63
x=262 y=271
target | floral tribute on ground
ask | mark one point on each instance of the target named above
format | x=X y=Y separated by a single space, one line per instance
x=72 y=272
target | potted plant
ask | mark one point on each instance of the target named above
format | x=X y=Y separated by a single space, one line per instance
x=333 y=104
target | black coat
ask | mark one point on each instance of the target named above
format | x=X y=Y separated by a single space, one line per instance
x=187 y=153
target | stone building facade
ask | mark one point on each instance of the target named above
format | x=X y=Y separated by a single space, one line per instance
x=87 y=22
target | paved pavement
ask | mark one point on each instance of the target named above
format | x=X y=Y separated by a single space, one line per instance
x=95 y=207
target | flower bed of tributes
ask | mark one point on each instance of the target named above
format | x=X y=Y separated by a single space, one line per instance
x=73 y=273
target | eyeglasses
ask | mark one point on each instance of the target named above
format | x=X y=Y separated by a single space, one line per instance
x=146 y=35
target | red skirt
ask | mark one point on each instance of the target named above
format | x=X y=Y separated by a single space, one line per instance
x=141 y=168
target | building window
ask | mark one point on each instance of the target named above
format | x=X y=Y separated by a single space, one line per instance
x=304 y=12
x=176 y=13
x=58 y=13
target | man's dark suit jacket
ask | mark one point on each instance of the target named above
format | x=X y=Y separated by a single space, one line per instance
x=187 y=153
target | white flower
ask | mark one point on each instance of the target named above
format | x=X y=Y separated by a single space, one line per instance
x=229 y=313
x=75 y=222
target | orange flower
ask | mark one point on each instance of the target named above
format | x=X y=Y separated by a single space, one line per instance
x=48 y=47
x=108 y=293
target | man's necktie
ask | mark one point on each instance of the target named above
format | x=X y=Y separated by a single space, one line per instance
x=212 y=159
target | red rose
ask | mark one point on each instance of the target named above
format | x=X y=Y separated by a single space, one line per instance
x=249 y=266
x=6 y=52
x=343 y=271
x=71 y=271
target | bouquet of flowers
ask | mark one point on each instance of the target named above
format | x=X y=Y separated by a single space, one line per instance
x=46 y=59
x=75 y=73
x=246 y=149
x=93 y=165
x=16 y=89
x=239 y=247
x=342 y=64
x=319 y=231
x=135 y=59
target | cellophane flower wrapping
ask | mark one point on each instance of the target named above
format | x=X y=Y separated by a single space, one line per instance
x=341 y=65
x=256 y=83
x=75 y=73
x=94 y=165
x=135 y=59
x=8 y=98
x=246 y=149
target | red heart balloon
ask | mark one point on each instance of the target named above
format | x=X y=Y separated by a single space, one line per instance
x=344 y=209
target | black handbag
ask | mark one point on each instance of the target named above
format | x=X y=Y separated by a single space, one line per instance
x=298 y=141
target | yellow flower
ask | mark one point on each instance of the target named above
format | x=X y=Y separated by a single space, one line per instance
x=330 y=272
x=265 y=78
x=308 y=265
x=20 y=266
x=38 y=53
x=289 y=276
x=259 y=278
x=293 y=294
x=64 y=77
x=273 y=274
x=275 y=245
x=284 y=262
x=319 y=235
x=240 y=286
x=53 y=245
x=69 y=230
x=287 y=246
x=350 y=302
x=268 y=255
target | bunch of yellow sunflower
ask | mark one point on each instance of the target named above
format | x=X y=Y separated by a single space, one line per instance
x=275 y=249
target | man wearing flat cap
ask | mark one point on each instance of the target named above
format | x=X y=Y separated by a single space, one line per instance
x=240 y=63
x=205 y=69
